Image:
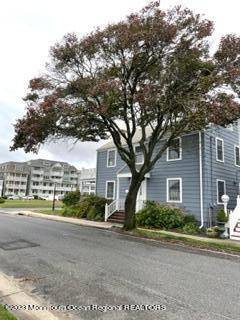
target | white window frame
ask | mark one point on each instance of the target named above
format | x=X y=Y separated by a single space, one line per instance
x=174 y=201
x=219 y=139
x=235 y=154
x=115 y=159
x=106 y=190
x=220 y=180
x=138 y=145
x=180 y=151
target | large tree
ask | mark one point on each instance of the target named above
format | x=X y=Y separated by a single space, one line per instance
x=152 y=70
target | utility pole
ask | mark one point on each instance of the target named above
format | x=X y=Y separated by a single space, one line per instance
x=54 y=194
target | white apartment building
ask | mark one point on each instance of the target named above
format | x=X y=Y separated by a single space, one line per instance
x=87 y=181
x=39 y=178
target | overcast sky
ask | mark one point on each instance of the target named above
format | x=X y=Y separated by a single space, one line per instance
x=27 y=30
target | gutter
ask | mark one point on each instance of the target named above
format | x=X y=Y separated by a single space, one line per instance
x=201 y=178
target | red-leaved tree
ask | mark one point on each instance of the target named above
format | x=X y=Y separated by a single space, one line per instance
x=152 y=70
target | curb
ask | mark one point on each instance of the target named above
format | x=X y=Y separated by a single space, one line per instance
x=11 y=294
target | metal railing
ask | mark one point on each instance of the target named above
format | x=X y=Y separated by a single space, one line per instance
x=119 y=205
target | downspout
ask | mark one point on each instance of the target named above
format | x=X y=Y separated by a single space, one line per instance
x=201 y=178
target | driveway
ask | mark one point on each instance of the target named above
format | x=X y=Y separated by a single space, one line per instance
x=75 y=265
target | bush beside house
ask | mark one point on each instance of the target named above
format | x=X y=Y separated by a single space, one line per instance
x=163 y=216
x=91 y=207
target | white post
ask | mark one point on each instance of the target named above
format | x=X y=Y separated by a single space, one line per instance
x=225 y=200
x=106 y=212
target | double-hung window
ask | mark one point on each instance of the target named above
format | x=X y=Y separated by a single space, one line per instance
x=111 y=158
x=219 y=150
x=138 y=155
x=110 y=189
x=174 y=152
x=237 y=155
x=221 y=190
x=174 y=190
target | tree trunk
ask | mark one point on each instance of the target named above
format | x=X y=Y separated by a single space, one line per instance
x=130 y=204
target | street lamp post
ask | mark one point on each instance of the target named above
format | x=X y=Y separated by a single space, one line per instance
x=54 y=194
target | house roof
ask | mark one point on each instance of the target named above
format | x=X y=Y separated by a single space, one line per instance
x=137 y=137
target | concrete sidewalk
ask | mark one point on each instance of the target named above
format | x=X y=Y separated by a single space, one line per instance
x=12 y=294
x=81 y=222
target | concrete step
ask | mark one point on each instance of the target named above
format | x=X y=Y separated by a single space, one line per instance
x=236 y=234
x=116 y=220
x=235 y=238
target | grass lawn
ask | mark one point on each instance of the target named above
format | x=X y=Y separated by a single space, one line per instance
x=29 y=204
x=205 y=243
x=57 y=212
x=5 y=315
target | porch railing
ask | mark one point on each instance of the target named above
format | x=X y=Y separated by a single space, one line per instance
x=119 y=205
x=234 y=217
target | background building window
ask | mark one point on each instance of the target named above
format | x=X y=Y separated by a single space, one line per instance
x=221 y=190
x=111 y=158
x=138 y=155
x=174 y=152
x=110 y=189
x=219 y=150
x=174 y=190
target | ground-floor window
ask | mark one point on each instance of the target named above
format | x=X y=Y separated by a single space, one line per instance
x=174 y=190
x=221 y=190
x=110 y=189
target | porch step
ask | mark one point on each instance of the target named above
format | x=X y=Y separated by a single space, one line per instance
x=118 y=217
x=234 y=238
x=236 y=234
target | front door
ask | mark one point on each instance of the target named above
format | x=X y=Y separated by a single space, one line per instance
x=142 y=195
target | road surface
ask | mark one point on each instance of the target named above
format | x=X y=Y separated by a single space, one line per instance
x=75 y=265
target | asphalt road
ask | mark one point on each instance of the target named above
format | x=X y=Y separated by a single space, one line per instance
x=82 y=266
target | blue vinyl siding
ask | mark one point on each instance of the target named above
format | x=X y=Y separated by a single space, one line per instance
x=214 y=169
x=188 y=170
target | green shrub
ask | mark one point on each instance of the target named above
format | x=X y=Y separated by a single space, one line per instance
x=221 y=216
x=189 y=218
x=213 y=232
x=156 y=215
x=91 y=207
x=191 y=228
x=92 y=213
x=2 y=200
x=71 y=198
x=70 y=211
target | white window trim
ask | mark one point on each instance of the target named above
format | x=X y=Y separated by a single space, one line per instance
x=174 y=201
x=115 y=159
x=219 y=180
x=107 y=189
x=235 y=155
x=180 y=153
x=138 y=145
x=219 y=160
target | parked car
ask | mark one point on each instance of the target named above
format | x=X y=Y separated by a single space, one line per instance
x=14 y=197
x=28 y=197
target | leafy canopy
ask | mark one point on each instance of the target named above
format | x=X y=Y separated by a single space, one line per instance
x=152 y=70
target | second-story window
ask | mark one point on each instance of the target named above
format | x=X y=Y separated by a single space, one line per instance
x=237 y=156
x=138 y=155
x=111 y=158
x=219 y=150
x=174 y=152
